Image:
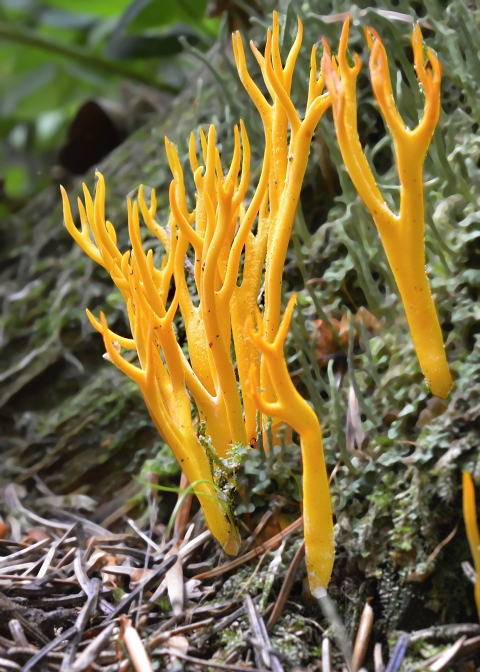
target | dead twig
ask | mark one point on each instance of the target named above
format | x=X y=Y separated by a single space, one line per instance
x=264 y=654
x=445 y=632
x=144 y=585
x=287 y=585
x=49 y=647
x=93 y=650
x=81 y=622
x=266 y=518
x=208 y=663
x=266 y=546
x=221 y=625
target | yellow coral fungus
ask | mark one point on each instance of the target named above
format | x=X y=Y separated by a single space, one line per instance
x=289 y=137
x=470 y=518
x=222 y=238
x=294 y=410
x=403 y=234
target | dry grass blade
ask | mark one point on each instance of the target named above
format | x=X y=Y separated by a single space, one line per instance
x=262 y=658
x=363 y=637
x=326 y=655
x=80 y=572
x=378 y=663
x=162 y=636
x=175 y=585
x=25 y=552
x=134 y=645
x=183 y=512
x=92 y=651
x=7 y=605
x=222 y=624
x=143 y=536
x=13 y=503
x=469 y=646
x=469 y=572
x=446 y=657
x=194 y=544
x=276 y=656
x=7 y=665
x=260 y=640
x=51 y=552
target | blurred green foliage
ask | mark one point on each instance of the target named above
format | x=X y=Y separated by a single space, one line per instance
x=56 y=54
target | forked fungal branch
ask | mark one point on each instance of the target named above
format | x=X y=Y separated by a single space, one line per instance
x=223 y=226
x=402 y=234
x=292 y=408
x=288 y=137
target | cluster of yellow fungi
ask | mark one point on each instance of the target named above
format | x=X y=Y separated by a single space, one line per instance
x=235 y=370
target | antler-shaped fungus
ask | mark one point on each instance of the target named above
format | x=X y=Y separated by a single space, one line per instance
x=219 y=231
x=403 y=234
x=289 y=137
x=295 y=411
x=168 y=380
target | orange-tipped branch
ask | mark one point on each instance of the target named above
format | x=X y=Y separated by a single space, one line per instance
x=403 y=234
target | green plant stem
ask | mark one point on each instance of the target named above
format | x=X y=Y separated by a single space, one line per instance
x=76 y=53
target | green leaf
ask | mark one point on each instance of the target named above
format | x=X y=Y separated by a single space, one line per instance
x=32 y=82
x=17 y=181
x=150 y=46
x=96 y=7
x=165 y=12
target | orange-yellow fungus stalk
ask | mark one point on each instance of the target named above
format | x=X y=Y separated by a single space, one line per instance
x=294 y=410
x=226 y=236
x=288 y=139
x=471 y=525
x=402 y=234
x=169 y=381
